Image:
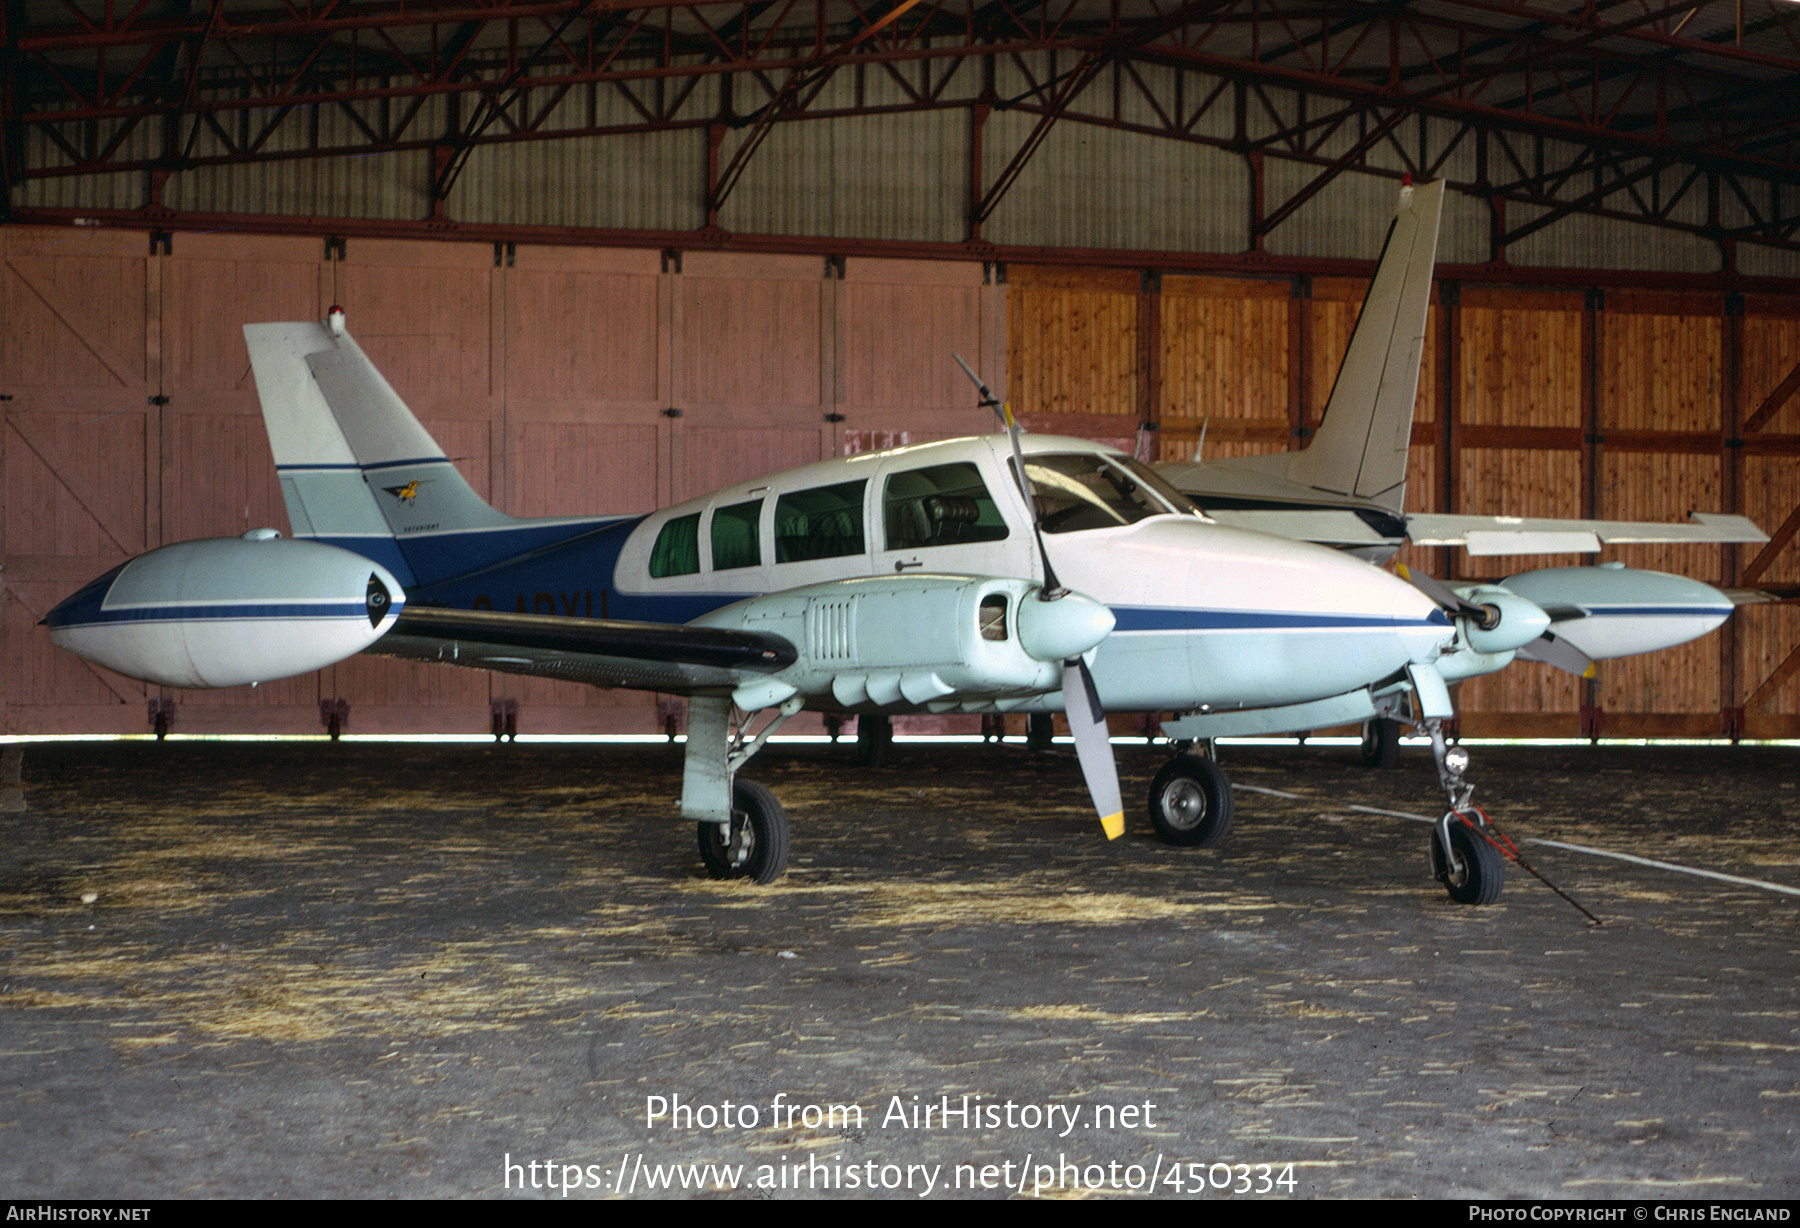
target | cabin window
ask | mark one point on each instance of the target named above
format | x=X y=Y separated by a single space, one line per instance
x=736 y=541
x=942 y=505
x=825 y=523
x=677 y=549
x=1084 y=490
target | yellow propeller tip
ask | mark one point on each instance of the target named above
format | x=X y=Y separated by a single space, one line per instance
x=1113 y=825
x=1590 y=671
x=1401 y=568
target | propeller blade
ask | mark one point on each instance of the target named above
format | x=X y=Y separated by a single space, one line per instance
x=1081 y=702
x=1093 y=747
x=1561 y=654
x=1438 y=591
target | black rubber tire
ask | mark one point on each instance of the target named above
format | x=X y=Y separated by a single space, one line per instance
x=1040 y=731
x=1381 y=743
x=1480 y=871
x=758 y=821
x=1191 y=802
x=874 y=738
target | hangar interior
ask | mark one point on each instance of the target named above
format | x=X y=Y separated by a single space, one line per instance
x=616 y=255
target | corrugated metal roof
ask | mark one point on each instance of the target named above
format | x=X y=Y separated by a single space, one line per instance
x=643 y=181
x=1582 y=241
x=1100 y=187
x=900 y=175
x=388 y=185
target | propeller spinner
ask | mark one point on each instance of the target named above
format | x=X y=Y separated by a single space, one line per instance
x=1503 y=621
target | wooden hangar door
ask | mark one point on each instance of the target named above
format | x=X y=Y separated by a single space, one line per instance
x=897 y=325
x=216 y=477
x=79 y=458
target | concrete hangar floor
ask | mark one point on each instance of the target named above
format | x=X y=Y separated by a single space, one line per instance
x=280 y=969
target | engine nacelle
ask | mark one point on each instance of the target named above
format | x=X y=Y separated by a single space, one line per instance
x=1461 y=666
x=1614 y=611
x=934 y=642
x=229 y=611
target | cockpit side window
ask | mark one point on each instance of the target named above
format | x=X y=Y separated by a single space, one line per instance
x=735 y=538
x=677 y=549
x=823 y=523
x=941 y=505
x=1083 y=490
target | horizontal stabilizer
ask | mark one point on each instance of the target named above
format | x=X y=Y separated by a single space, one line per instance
x=1491 y=535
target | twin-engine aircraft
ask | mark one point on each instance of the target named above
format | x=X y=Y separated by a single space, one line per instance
x=982 y=575
x=1029 y=574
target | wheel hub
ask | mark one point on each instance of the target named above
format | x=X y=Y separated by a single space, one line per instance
x=740 y=843
x=1184 y=804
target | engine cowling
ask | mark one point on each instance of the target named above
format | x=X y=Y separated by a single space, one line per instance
x=1615 y=611
x=230 y=611
x=934 y=642
x=1507 y=622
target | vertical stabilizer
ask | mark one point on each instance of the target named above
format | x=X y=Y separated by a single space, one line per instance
x=358 y=470
x=1360 y=449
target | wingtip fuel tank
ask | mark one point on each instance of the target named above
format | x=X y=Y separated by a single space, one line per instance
x=1616 y=611
x=234 y=611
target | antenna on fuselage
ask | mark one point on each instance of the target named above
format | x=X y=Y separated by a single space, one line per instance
x=988 y=399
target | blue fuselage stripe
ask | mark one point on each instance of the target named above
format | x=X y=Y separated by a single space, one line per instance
x=1136 y=618
x=1652 y=611
x=221 y=612
x=329 y=466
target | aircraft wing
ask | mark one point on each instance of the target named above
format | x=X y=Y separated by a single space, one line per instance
x=675 y=658
x=1487 y=535
x=1342 y=528
x=1768 y=594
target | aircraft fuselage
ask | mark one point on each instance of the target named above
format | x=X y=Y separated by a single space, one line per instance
x=1207 y=615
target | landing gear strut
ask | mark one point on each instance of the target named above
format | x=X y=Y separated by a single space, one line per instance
x=1463 y=857
x=742 y=829
x=874 y=738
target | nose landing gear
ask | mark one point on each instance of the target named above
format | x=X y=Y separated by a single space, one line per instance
x=1465 y=857
x=1466 y=861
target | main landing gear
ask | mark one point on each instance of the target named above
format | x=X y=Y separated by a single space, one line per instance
x=1381 y=742
x=742 y=829
x=1191 y=802
x=874 y=739
x=754 y=844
